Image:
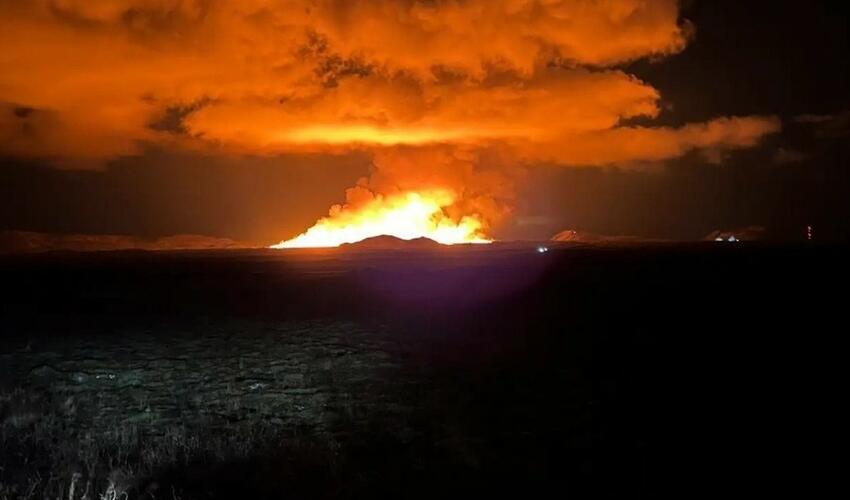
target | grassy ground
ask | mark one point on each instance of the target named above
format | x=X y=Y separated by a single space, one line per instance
x=111 y=414
x=645 y=372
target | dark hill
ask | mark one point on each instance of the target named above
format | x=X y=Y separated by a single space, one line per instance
x=387 y=242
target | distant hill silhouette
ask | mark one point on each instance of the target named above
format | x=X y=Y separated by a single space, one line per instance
x=28 y=242
x=575 y=236
x=387 y=242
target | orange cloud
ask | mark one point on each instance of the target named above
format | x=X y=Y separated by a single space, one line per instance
x=629 y=145
x=265 y=76
x=394 y=110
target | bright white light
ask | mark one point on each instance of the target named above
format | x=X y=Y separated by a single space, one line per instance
x=733 y=238
x=542 y=249
x=719 y=239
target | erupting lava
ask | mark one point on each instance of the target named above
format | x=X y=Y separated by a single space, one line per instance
x=406 y=215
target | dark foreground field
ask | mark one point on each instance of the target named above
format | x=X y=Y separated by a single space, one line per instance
x=623 y=372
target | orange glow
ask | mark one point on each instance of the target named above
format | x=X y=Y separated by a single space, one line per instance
x=364 y=134
x=406 y=216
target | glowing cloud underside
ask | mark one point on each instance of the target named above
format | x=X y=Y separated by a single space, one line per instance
x=408 y=215
x=372 y=135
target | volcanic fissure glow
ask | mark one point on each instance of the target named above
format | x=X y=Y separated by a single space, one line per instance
x=406 y=215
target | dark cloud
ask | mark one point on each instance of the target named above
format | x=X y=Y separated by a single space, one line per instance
x=811 y=118
x=172 y=118
x=783 y=156
x=834 y=126
x=22 y=111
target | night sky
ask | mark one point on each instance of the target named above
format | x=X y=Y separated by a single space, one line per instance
x=783 y=63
